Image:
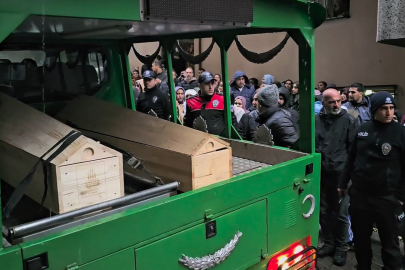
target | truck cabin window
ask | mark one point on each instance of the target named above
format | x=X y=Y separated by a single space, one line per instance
x=35 y=76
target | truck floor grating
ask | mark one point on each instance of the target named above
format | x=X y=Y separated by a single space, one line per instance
x=242 y=165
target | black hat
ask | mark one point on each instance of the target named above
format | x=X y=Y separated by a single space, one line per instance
x=379 y=99
x=330 y=86
x=206 y=77
x=149 y=74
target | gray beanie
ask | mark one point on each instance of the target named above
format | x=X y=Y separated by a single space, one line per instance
x=268 y=96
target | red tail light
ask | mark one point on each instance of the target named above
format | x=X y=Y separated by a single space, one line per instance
x=295 y=256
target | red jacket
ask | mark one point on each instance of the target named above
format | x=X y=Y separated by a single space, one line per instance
x=211 y=108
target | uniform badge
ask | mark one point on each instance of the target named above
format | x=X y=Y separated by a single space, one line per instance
x=147 y=73
x=154 y=99
x=215 y=103
x=386 y=148
x=388 y=100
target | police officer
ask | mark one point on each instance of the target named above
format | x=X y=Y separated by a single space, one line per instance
x=376 y=167
x=209 y=105
x=153 y=100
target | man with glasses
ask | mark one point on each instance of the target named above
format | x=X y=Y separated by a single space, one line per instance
x=334 y=133
x=207 y=104
x=358 y=103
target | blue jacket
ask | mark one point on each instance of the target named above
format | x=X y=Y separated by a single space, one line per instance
x=363 y=108
x=248 y=91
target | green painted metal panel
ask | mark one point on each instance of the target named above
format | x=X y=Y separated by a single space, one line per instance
x=114 y=89
x=288 y=14
x=168 y=52
x=10 y=258
x=9 y=22
x=95 y=245
x=224 y=43
x=151 y=222
x=285 y=216
x=122 y=260
x=305 y=40
x=118 y=10
x=249 y=220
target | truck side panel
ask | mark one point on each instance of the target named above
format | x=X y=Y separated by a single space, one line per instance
x=94 y=240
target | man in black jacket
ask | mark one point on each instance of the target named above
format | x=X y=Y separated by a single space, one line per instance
x=276 y=119
x=153 y=100
x=334 y=133
x=376 y=165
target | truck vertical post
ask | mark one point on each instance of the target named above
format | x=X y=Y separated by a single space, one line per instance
x=167 y=47
x=224 y=42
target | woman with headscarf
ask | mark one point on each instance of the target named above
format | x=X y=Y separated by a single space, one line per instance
x=189 y=93
x=267 y=80
x=241 y=103
x=180 y=100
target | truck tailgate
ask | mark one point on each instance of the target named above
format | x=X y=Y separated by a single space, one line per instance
x=250 y=221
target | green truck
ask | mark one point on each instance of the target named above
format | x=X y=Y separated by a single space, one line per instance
x=265 y=219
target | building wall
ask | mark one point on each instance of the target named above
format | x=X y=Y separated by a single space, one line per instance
x=142 y=49
x=346 y=51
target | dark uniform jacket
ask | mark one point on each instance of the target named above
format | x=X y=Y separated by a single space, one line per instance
x=156 y=100
x=211 y=109
x=376 y=160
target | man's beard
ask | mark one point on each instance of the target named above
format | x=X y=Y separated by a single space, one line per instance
x=333 y=112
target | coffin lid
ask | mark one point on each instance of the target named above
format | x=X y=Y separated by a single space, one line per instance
x=89 y=113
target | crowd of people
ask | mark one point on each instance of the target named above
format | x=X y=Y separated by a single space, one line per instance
x=361 y=140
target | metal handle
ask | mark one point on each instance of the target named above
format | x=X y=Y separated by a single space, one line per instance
x=210 y=261
x=311 y=210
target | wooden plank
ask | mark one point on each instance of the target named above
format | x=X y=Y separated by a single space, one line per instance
x=25 y=122
x=209 y=145
x=88 y=183
x=105 y=117
x=26 y=134
x=13 y=170
x=170 y=166
x=211 y=168
x=262 y=153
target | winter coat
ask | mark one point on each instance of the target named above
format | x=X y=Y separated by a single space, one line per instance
x=363 y=109
x=281 y=126
x=334 y=135
x=248 y=91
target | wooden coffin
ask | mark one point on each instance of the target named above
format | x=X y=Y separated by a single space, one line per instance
x=83 y=174
x=170 y=151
